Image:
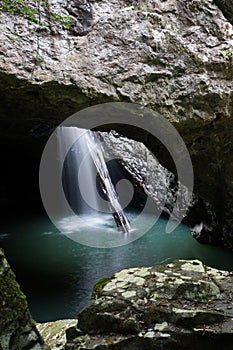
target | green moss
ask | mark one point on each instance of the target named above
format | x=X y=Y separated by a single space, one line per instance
x=33 y=14
x=227 y=54
x=13 y=302
x=98 y=287
x=159 y=268
x=175 y=266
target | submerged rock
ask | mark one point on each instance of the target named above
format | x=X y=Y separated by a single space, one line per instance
x=182 y=305
x=17 y=329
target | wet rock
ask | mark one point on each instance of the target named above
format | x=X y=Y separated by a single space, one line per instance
x=149 y=175
x=227 y=8
x=81 y=12
x=160 y=185
x=172 y=56
x=17 y=329
x=182 y=305
x=54 y=333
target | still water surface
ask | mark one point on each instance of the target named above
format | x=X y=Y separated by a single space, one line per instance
x=57 y=274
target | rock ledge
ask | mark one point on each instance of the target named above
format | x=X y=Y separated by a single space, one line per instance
x=182 y=305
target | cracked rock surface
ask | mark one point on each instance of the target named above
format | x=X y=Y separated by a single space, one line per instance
x=172 y=56
x=182 y=305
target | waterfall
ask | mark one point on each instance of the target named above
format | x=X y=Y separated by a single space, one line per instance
x=97 y=153
x=85 y=166
x=78 y=155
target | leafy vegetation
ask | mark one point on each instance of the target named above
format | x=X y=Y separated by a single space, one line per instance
x=33 y=14
x=227 y=54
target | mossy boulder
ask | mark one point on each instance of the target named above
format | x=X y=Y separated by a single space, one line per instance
x=17 y=329
x=182 y=305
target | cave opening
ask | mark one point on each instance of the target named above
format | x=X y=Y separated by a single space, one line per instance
x=55 y=273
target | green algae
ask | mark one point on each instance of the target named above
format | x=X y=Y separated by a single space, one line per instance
x=98 y=287
x=12 y=301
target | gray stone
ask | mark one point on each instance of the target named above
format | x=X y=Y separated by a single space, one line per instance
x=159 y=321
x=172 y=56
x=54 y=333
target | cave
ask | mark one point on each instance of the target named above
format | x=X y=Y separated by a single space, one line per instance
x=29 y=126
x=173 y=59
x=21 y=205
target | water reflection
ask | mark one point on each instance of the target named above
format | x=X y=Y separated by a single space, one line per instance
x=57 y=274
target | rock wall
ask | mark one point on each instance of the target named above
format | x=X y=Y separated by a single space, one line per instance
x=149 y=175
x=172 y=56
x=17 y=329
x=227 y=8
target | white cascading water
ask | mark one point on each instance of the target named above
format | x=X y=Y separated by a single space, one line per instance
x=88 y=160
x=97 y=153
x=79 y=155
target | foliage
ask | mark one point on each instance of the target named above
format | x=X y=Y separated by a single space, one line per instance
x=32 y=14
x=227 y=54
x=97 y=289
x=12 y=300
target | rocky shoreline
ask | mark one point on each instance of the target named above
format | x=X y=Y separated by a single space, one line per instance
x=181 y=305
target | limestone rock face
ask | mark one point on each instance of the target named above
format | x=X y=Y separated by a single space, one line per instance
x=155 y=180
x=182 y=305
x=17 y=329
x=227 y=8
x=172 y=56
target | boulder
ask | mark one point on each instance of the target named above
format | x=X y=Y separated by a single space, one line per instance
x=182 y=305
x=17 y=328
x=54 y=333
